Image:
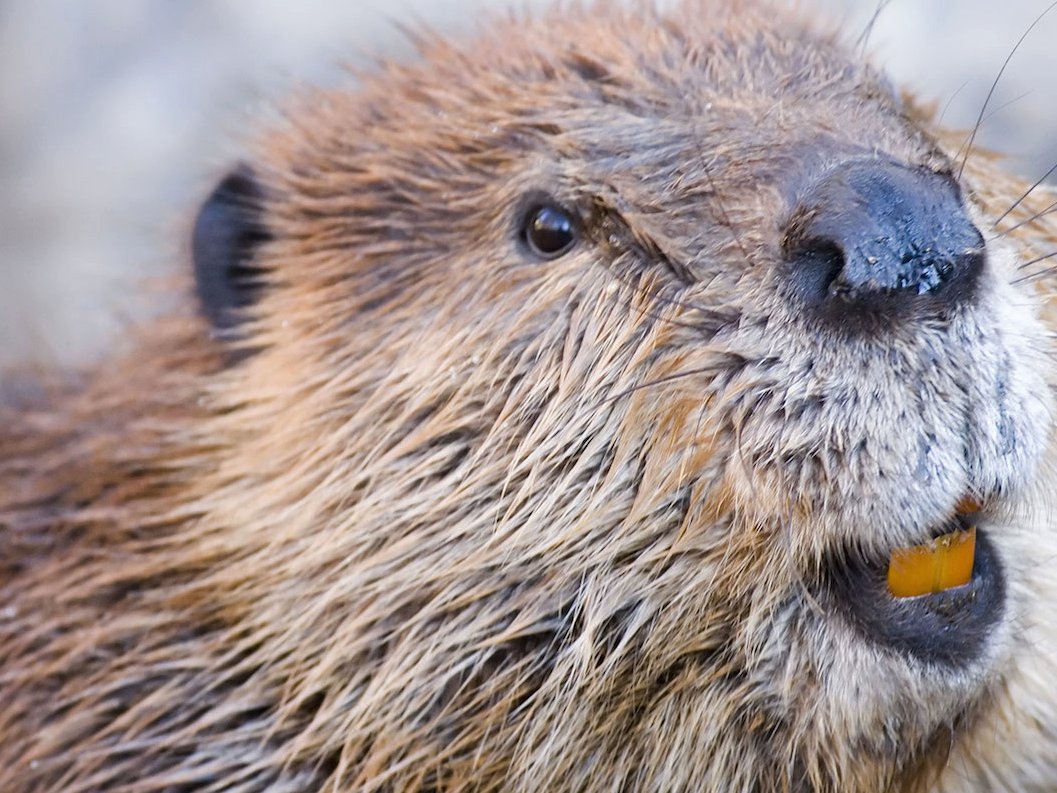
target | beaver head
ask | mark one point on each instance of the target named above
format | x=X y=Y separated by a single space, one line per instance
x=567 y=397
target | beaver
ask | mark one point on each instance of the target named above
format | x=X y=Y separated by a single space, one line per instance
x=548 y=414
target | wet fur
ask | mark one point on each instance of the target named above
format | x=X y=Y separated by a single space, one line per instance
x=458 y=519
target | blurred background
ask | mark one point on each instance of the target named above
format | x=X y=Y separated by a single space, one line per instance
x=116 y=116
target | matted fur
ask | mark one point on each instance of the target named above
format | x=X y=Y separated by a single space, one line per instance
x=466 y=520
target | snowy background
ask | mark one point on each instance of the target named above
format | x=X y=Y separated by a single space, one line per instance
x=115 y=117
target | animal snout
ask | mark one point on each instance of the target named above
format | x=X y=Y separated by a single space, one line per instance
x=877 y=237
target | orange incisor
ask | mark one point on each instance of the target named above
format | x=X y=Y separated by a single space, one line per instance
x=944 y=563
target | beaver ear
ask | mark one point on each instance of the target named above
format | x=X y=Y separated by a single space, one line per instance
x=227 y=233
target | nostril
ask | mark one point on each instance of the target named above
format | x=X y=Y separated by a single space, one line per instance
x=817 y=264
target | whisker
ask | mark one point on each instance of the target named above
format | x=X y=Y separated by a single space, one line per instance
x=1036 y=261
x=1033 y=276
x=655 y=316
x=670 y=378
x=991 y=115
x=720 y=205
x=947 y=106
x=1042 y=213
x=1024 y=195
x=1007 y=104
x=725 y=216
x=994 y=86
x=864 y=37
x=655 y=294
x=652 y=252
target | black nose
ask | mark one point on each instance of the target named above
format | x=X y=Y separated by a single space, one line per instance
x=876 y=237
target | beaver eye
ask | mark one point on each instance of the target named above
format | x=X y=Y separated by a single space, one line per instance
x=549 y=231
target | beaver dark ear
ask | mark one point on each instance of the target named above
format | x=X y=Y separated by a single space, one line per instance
x=227 y=233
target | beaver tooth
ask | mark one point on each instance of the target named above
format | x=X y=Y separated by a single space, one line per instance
x=944 y=563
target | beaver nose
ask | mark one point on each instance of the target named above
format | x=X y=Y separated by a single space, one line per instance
x=874 y=237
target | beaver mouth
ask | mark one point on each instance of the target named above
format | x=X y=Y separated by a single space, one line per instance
x=937 y=602
x=943 y=563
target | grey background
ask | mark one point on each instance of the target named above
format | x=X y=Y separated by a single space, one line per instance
x=115 y=116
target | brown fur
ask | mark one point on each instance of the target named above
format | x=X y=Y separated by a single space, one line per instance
x=463 y=520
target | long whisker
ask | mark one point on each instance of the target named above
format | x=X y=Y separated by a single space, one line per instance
x=1036 y=276
x=994 y=86
x=948 y=103
x=1040 y=273
x=654 y=294
x=1037 y=260
x=1025 y=194
x=660 y=381
x=720 y=205
x=1042 y=213
x=991 y=115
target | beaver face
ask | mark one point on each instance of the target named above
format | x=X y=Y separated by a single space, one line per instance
x=588 y=379
x=642 y=351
